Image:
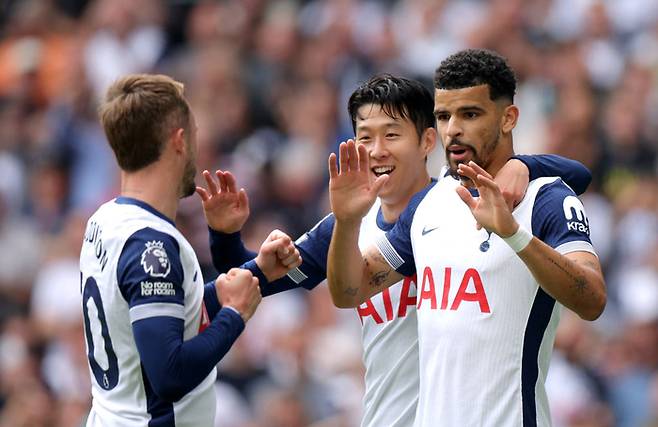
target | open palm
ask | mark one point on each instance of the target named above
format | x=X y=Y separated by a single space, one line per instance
x=351 y=191
x=226 y=209
x=489 y=209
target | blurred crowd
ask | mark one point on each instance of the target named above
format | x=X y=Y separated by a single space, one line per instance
x=268 y=81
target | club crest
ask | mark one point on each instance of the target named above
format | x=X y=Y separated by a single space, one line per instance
x=155 y=260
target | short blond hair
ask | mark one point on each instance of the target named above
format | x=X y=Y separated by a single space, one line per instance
x=137 y=115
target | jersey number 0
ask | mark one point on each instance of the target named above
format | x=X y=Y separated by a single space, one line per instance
x=106 y=378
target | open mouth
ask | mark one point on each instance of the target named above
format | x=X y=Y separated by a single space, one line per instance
x=458 y=153
x=382 y=170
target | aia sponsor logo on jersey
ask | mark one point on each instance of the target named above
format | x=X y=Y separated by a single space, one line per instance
x=155 y=260
x=407 y=300
x=470 y=290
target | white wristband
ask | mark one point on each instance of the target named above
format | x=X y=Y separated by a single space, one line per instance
x=519 y=240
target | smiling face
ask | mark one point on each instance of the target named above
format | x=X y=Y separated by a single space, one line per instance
x=474 y=127
x=395 y=149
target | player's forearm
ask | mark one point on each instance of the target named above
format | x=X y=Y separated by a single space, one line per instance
x=268 y=287
x=578 y=285
x=174 y=367
x=345 y=266
x=574 y=173
x=228 y=250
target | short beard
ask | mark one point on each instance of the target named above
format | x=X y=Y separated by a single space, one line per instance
x=482 y=159
x=188 y=185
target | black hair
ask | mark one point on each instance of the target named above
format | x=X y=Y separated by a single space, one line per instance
x=474 y=67
x=398 y=97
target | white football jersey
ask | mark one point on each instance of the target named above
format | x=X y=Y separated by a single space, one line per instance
x=485 y=327
x=121 y=393
x=390 y=343
x=389 y=327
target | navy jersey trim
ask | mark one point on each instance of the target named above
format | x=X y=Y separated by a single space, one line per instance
x=395 y=245
x=558 y=216
x=122 y=200
x=381 y=222
x=149 y=269
x=162 y=412
x=540 y=316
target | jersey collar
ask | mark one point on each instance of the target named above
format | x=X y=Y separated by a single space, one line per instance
x=122 y=200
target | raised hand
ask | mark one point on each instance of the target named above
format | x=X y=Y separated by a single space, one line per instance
x=490 y=208
x=239 y=289
x=277 y=255
x=226 y=209
x=351 y=191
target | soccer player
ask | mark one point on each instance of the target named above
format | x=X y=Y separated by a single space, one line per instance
x=154 y=332
x=394 y=123
x=491 y=282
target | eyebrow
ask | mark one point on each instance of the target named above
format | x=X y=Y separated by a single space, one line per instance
x=461 y=109
x=387 y=125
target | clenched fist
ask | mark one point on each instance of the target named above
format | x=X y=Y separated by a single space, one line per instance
x=239 y=289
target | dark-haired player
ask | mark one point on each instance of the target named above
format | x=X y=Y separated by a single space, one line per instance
x=489 y=293
x=394 y=123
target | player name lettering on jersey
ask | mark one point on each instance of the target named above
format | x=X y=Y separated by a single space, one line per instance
x=406 y=299
x=157 y=288
x=93 y=237
x=470 y=280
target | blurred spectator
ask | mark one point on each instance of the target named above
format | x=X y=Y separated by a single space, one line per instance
x=126 y=37
x=269 y=81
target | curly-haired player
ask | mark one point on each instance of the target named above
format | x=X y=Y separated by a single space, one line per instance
x=491 y=282
x=394 y=123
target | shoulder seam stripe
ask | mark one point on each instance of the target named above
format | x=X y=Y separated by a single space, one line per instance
x=389 y=253
x=144 y=311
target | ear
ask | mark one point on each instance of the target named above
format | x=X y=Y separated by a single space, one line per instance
x=509 y=118
x=428 y=140
x=178 y=140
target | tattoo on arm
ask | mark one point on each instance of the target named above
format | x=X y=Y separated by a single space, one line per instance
x=591 y=264
x=378 y=278
x=579 y=284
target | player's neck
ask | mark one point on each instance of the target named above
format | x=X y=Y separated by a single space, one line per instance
x=502 y=156
x=391 y=209
x=154 y=186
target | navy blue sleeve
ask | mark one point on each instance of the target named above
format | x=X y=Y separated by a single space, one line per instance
x=228 y=250
x=313 y=246
x=210 y=299
x=559 y=219
x=395 y=246
x=574 y=173
x=150 y=277
x=174 y=367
